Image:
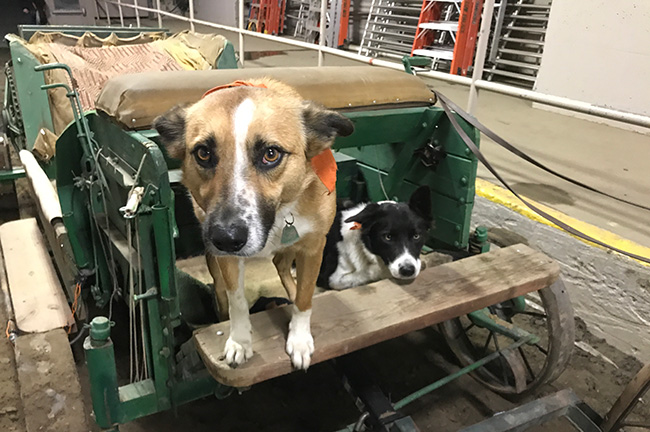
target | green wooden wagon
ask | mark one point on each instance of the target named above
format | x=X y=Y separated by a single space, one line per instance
x=504 y=313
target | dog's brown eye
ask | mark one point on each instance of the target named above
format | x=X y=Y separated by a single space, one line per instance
x=416 y=236
x=388 y=237
x=271 y=155
x=203 y=154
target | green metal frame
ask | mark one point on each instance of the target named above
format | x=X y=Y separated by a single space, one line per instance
x=384 y=144
x=34 y=102
x=410 y=63
x=90 y=206
x=12 y=174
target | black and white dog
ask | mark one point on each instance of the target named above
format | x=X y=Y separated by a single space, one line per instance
x=374 y=241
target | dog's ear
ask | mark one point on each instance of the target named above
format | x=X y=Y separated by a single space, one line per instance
x=366 y=216
x=420 y=202
x=171 y=128
x=322 y=126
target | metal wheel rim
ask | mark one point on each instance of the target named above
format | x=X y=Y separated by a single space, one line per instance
x=559 y=346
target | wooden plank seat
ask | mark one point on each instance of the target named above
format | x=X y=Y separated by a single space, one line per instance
x=38 y=301
x=346 y=321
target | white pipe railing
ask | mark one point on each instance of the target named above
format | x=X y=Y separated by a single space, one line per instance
x=191 y=14
x=321 y=37
x=241 y=35
x=119 y=6
x=108 y=14
x=96 y=9
x=159 y=16
x=481 y=49
x=556 y=101
x=137 y=13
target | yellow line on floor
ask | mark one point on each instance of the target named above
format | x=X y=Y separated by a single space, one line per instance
x=504 y=197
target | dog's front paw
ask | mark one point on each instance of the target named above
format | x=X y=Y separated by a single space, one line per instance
x=236 y=353
x=300 y=347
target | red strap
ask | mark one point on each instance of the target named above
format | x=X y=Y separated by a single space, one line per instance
x=232 y=84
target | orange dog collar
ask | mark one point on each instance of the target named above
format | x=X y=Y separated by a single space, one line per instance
x=355 y=226
x=231 y=85
x=323 y=164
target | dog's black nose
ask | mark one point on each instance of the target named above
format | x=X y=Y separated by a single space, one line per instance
x=407 y=270
x=230 y=238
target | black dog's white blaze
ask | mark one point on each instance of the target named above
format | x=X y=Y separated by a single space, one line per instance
x=388 y=244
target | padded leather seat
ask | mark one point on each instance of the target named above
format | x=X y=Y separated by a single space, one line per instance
x=135 y=100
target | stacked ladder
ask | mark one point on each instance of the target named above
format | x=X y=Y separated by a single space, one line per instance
x=518 y=42
x=292 y=17
x=447 y=33
x=337 y=22
x=267 y=16
x=307 y=25
x=336 y=34
x=390 y=29
x=435 y=36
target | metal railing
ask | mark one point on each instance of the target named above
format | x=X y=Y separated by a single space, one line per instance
x=475 y=83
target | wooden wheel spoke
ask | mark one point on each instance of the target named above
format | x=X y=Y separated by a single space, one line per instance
x=527 y=363
x=534 y=314
x=466 y=329
x=541 y=349
x=503 y=362
x=487 y=343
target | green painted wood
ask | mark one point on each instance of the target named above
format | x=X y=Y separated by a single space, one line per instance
x=451 y=220
x=11 y=174
x=34 y=102
x=382 y=126
x=381 y=148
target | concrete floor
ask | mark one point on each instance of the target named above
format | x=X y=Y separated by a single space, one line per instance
x=608 y=158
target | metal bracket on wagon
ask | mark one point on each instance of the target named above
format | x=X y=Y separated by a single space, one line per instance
x=431 y=155
x=415 y=61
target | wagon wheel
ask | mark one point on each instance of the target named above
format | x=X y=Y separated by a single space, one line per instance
x=616 y=418
x=547 y=314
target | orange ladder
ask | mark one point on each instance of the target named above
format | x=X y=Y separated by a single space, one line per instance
x=468 y=26
x=267 y=16
x=447 y=31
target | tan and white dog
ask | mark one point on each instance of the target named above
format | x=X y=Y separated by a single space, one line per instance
x=247 y=153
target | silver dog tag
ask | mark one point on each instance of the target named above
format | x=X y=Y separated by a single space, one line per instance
x=289 y=234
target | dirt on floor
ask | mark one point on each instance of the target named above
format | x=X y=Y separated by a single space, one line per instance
x=12 y=418
x=49 y=385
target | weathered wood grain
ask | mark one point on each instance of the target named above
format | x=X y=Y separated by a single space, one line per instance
x=346 y=321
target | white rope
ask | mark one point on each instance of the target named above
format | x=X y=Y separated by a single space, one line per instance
x=145 y=366
x=381 y=181
x=130 y=302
